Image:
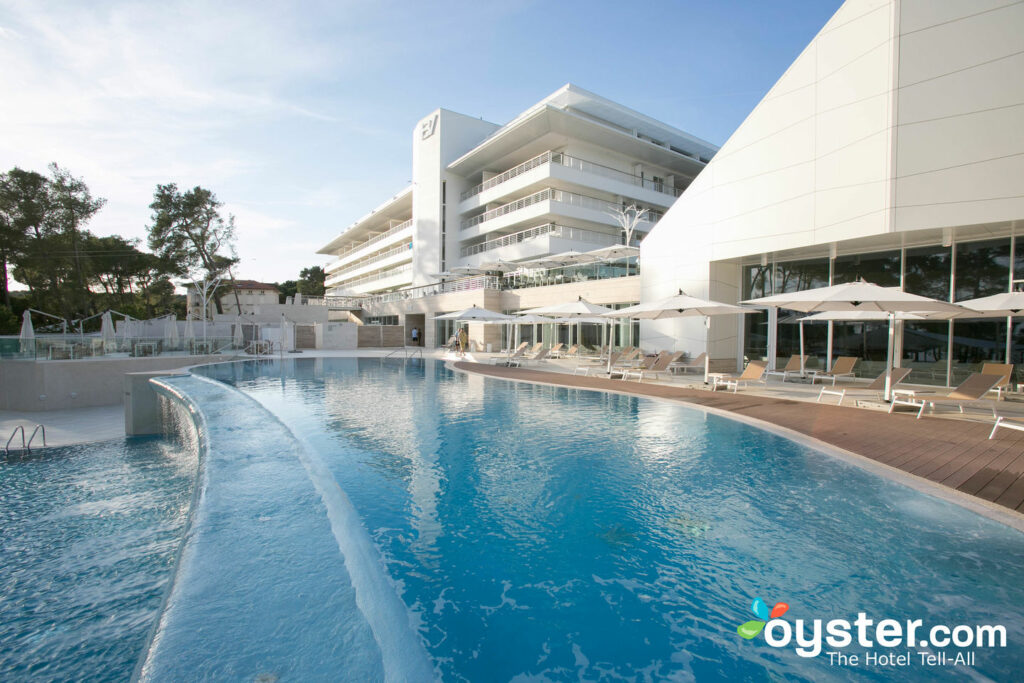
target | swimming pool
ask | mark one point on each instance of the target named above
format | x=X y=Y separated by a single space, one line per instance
x=534 y=532
x=88 y=539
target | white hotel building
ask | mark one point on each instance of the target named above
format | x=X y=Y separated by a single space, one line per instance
x=543 y=184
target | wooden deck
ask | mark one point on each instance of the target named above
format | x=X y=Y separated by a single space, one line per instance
x=954 y=453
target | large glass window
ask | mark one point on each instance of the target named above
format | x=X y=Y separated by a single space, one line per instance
x=881 y=268
x=925 y=349
x=982 y=268
x=928 y=272
x=757 y=282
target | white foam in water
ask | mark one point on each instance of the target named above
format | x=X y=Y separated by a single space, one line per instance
x=402 y=652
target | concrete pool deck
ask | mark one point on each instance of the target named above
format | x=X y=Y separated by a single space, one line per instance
x=955 y=453
x=66 y=427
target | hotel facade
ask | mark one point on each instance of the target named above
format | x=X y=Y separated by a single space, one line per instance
x=891 y=150
x=484 y=196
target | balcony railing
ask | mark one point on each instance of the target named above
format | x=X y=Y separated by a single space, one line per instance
x=373 y=259
x=464 y=284
x=376 y=238
x=571 y=162
x=380 y=275
x=553 y=229
x=550 y=194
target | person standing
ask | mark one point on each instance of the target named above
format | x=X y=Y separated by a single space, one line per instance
x=415 y=336
x=463 y=340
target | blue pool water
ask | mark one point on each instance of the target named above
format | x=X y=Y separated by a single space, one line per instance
x=540 y=533
x=88 y=540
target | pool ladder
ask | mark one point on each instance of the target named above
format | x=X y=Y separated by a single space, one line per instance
x=26 y=445
x=407 y=352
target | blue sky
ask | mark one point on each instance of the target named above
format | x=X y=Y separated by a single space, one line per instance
x=299 y=116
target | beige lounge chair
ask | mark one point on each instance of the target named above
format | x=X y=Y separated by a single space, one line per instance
x=843 y=367
x=512 y=358
x=754 y=372
x=597 y=364
x=1009 y=422
x=970 y=392
x=568 y=353
x=792 y=367
x=556 y=350
x=646 y=362
x=898 y=375
x=1004 y=370
x=660 y=366
x=536 y=358
x=695 y=364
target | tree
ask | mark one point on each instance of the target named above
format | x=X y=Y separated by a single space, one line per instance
x=23 y=204
x=286 y=289
x=71 y=205
x=311 y=281
x=189 y=232
x=628 y=217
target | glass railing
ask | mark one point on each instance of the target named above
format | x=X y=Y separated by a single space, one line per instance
x=76 y=347
x=381 y=275
x=569 y=274
x=464 y=284
x=550 y=194
x=552 y=229
x=575 y=163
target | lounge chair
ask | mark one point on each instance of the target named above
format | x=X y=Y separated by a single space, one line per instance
x=661 y=365
x=970 y=392
x=792 y=368
x=623 y=370
x=598 y=364
x=511 y=359
x=1009 y=422
x=521 y=346
x=573 y=352
x=696 y=364
x=556 y=350
x=1004 y=370
x=536 y=358
x=843 y=367
x=754 y=372
x=898 y=375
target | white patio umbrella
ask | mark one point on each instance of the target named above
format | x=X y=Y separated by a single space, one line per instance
x=239 y=339
x=566 y=258
x=27 y=338
x=862 y=296
x=682 y=306
x=577 y=309
x=475 y=314
x=107 y=334
x=171 y=331
x=1007 y=304
x=499 y=265
x=614 y=252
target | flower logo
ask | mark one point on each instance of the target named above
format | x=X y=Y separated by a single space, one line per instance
x=760 y=609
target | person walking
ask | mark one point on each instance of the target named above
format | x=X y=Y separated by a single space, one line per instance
x=463 y=340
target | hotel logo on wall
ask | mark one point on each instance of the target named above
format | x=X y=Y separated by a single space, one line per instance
x=428 y=127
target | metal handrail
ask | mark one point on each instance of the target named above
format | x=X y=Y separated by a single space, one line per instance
x=7 y=448
x=407 y=351
x=34 y=431
x=571 y=198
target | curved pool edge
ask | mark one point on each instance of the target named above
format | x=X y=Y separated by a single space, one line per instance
x=990 y=510
x=399 y=646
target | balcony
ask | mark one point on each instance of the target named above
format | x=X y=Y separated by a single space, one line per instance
x=383 y=279
x=538 y=241
x=351 y=254
x=394 y=255
x=547 y=202
x=552 y=165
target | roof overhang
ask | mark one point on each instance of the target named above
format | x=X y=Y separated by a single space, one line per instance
x=397 y=208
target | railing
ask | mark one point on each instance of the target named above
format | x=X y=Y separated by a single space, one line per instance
x=407 y=352
x=355 y=265
x=465 y=284
x=378 y=276
x=39 y=428
x=569 y=274
x=550 y=194
x=553 y=229
x=570 y=162
x=76 y=347
x=7 y=448
x=376 y=238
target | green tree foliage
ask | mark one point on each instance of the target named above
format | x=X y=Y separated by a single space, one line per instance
x=287 y=289
x=311 y=281
x=189 y=232
x=24 y=201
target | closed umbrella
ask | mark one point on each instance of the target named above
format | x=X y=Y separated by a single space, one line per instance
x=863 y=296
x=107 y=335
x=682 y=306
x=27 y=338
x=239 y=340
x=190 y=333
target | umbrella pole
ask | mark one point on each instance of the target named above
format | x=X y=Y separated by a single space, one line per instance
x=1009 y=337
x=707 y=347
x=888 y=357
x=802 y=348
x=828 y=351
